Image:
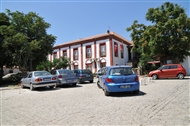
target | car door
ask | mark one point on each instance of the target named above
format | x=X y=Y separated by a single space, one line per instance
x=100 y=77
x=164 y=72
x=103 y=76
x=28 y=79
x=173 y=70
x=24 y=79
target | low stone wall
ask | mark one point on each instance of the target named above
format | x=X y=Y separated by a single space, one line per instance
x=9 y=70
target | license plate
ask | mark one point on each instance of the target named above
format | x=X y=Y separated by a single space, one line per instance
x=125 y=86
x=69 y=80
x=47 y=79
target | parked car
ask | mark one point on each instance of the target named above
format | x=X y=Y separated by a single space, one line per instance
x=168 y=71
x=65 y=77
x=97 y=73
x=118 y=79
x=84 y=75
x=37 y=79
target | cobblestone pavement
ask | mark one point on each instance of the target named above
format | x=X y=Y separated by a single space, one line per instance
x=162 y=102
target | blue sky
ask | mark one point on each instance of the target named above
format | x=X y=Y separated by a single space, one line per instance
x=74 y=19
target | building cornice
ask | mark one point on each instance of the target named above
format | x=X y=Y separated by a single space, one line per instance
x=95 y=38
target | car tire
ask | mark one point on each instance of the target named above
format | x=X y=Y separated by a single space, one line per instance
x=74 y=84
x=57 y=84
x=91 y=81
x=22 y=86
x=79 y=81
x=180 y=76
x=98 y=85
x=154 y=77
x=51 y=87
x=136 y=91
x=106 y=93
x=31 y=87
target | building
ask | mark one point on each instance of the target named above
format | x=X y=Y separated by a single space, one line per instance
x=186 y=64
x=95 y=52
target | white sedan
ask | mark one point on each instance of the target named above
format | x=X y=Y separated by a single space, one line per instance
x=36 y=79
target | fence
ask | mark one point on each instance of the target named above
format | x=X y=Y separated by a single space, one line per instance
x=146 y=80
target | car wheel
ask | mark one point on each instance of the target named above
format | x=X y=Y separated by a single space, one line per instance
x=74 y=84
x=57 y=84
x=106 y=92
x=91 y=81
x=154 y=76
x=22 y=86
x=31 y=87
x=51 y=87
x=98 y=84
x=180 y=76
x=136 y=91
x=79 y=81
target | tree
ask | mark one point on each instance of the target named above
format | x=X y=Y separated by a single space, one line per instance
x=28 y=40
x=57 y=63
x=5 y=54
x=167 y=38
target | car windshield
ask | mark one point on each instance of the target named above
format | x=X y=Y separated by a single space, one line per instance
x=121 y=71
x=86 y=72
x=163 y=67
x=65 y=72
x=41 y=73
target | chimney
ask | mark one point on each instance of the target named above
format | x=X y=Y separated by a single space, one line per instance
x=108 y=31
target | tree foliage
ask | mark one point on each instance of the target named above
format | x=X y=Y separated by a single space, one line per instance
x=168 y=37
x=57 y=64
x=28 y=39
x=5 y=57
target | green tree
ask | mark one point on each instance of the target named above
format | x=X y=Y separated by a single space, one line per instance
x=57 y=63
x=28 y=40
x=168 y=37
x=5 y=57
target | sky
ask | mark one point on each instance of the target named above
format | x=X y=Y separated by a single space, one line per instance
x=75 y=19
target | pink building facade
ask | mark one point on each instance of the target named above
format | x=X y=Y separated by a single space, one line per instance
x=95 y=52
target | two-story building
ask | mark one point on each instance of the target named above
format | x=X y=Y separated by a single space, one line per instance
x=95 y=52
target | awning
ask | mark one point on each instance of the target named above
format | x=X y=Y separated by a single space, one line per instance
x=153 y=62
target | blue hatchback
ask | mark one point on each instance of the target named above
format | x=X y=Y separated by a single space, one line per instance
x=118 y=79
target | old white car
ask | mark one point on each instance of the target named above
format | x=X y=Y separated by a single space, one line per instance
x=37 y=79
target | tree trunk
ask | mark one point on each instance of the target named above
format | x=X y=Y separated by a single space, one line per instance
x=1 y=74
x=30 y=65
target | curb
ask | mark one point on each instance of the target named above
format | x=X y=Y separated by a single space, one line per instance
x=9 y=88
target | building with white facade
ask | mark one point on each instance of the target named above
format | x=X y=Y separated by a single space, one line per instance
x=186 y=64
x=95 y=52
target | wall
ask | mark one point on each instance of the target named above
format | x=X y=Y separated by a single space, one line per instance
x=118 y=60
x=107 y=58
x=15 y=70
x=186 y=65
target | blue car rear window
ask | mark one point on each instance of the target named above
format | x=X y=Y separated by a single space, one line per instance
x=41 y=73
x=86 y=72
x=65 y=72
x=121 y=71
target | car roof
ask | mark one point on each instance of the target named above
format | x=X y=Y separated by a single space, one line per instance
x=171 y=64
x=118 y=66
x=62 y=69
x=81 y=69
x=39 y=71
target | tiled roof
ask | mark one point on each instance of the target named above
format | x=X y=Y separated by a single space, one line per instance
x=96 y=37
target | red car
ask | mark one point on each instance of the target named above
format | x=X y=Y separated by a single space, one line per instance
x=169 y=71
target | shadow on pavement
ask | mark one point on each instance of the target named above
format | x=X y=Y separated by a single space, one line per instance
x=69 y=86
x=43 y=89
x=127 y=94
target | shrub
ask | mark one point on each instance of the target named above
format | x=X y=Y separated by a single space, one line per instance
x=13 y=78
